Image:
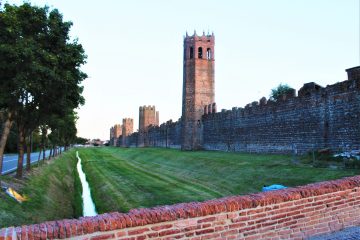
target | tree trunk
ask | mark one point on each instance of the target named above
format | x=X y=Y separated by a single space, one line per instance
x=51 y=150
x=39 y=156
x=44 y=153
x=28 y=154
x=6 y=130
x=43 y=138
x=19 y=170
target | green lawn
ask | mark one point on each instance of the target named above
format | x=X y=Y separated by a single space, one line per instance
x=126 y=178
x=53 y=189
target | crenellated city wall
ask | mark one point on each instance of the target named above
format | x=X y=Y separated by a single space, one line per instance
x=166 y=135
x=317 y=118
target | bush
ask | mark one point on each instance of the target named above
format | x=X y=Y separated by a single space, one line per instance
x=352 y=163
x=279 y=91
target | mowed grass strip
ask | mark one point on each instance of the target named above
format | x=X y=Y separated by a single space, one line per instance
x=53 y=189
x=126 y=178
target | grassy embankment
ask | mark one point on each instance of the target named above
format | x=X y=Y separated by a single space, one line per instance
x=54 y=192
x=122 y=179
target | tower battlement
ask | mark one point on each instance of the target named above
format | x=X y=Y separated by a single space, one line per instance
x=199 y=47
x=127 y=120
x=115 y=133
x=143 y=108
x=127 y=129
x=195 y=37
x=117 y=130
x=148 y=117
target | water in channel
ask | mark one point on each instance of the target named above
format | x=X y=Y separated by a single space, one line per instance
x=88 y=203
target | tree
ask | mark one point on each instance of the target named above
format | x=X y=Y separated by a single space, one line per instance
x=40 y=72
x=7 y=123
x=63 y=131
x=11 y=145
x=279 y=91
x=20 y=30
x=81 y=140
x=65 y=87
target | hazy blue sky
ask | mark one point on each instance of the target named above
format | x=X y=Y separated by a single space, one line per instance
x=135 y=51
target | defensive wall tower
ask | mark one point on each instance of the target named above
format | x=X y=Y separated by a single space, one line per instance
x=148 y=116
x=117 y=131
x=198 y=86
x=127 y=129
x=111 y=133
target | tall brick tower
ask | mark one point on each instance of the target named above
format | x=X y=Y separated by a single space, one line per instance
x=198 y=87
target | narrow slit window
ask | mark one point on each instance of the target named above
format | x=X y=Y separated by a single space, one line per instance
x=191 y=52
x=208 y=53
x=200 y=53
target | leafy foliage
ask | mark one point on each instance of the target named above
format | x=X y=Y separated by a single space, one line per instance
x=40 y=75
x=279 y=91
x=81 y=140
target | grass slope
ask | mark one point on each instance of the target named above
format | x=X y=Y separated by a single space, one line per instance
x=122 y=179
x=53 y=190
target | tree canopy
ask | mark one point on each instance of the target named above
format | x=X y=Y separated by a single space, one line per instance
x=279 y=91
x=40 y=74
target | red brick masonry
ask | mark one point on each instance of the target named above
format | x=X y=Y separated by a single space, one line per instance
x=293 y=213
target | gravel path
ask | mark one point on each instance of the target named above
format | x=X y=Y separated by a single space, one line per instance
x=351 y=233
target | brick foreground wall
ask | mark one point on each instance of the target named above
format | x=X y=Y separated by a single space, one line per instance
x=293 y=213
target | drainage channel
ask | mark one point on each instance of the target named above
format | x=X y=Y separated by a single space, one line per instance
x=88 y=203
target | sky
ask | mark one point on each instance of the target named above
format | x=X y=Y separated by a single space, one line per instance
x=135 y=49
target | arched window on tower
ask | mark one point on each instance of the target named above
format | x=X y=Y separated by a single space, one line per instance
x=200 y=53
x=208 y=53
x=191 y=52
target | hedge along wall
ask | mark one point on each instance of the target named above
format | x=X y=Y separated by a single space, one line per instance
x=293 y=213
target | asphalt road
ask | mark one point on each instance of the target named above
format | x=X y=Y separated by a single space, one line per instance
x=351 y=233
x=10 y=161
